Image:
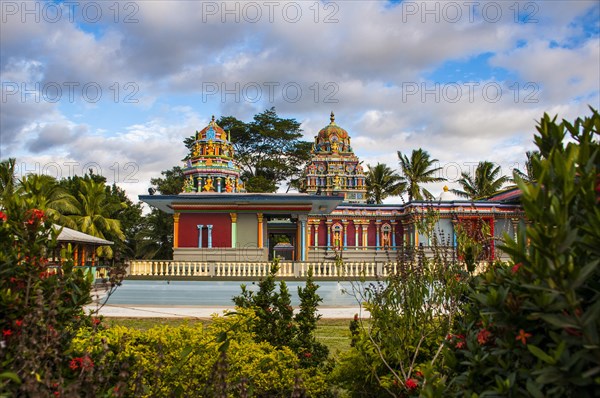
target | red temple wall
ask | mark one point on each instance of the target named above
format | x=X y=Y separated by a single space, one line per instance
x=221 y=231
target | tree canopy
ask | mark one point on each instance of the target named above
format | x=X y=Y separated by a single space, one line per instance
x=416 y=171
x=485 y=182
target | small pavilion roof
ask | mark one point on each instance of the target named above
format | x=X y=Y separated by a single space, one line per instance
x=71 y=235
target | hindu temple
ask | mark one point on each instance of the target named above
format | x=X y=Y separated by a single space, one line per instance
x=216 y=221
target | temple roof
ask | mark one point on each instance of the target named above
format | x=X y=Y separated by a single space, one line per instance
x=207 y=132
x=332 y=128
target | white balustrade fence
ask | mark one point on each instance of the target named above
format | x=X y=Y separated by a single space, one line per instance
x=157 y=268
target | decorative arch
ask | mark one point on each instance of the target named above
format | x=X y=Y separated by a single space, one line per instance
x=386 y=232
x=337 y=231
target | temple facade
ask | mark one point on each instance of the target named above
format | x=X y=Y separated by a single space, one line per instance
x=215 y=220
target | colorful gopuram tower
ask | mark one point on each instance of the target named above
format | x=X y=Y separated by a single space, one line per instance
x=334 y=169
x=211 y=166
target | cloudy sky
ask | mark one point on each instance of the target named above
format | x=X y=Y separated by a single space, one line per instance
x=117 y=86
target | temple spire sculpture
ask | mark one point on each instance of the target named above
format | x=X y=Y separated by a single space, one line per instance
x=334 y=169
x=211 y=165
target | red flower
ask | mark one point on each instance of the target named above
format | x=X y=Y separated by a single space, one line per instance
x=483 y=336
x=6 y=332
x=411 y=384
x=460 y=345
x=418 y=373
x=523 y=336
x=307 y=355
x=84 y=363
x=96 y=321
x=18 y=322
x=3 y=216
x=74 y=364
x=87 y=363
x=515 y=268
x=35 y=215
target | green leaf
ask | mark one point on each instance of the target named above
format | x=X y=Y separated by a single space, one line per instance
x=11 y=376
x=541 y=354
x=533 y=389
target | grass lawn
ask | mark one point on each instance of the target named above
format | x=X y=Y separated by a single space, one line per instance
x=334 y=333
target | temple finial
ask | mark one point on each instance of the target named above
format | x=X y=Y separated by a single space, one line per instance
x=213 y=118
x=332 y=118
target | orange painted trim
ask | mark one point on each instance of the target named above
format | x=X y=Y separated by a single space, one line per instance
x=176 y=230
x=260 y=230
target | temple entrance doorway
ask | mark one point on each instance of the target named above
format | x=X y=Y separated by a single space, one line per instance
x=282 y=238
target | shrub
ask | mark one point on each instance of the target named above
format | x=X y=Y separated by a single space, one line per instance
x=531 y=328
x=221 y=359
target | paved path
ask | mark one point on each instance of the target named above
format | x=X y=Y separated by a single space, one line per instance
x=141 y=311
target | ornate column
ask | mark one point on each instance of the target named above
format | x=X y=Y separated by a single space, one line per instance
x=199 y=226
x=329 y=222
x=260 y=230
x=345 y=225
x=218 y=184
x=365 y=234
x=394 y=222
x=233 y=229
x=378 y=236
x=356 y=227
x=309 y=236
x=302 y=238
x=176 y=230
x=209 y=226
x=317 y=234
x=454 y=223
x=515 y=226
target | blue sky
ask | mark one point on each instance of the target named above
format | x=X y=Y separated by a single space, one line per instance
x=465 y=82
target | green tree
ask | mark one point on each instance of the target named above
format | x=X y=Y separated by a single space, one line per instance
x=275 y=322
x=486 y=181
x=95 y=214
x=382 y=182
x=43 y=192
x=8 y=180
x=416 y=171
x=154 y=240
x=171 y=183
x=530 y=174
x=531 y=328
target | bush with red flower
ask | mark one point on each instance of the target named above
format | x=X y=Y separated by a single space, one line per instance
x=531 y=328
x=40 y=310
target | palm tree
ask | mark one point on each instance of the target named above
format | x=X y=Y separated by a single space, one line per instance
x=383 y=182
x=418 y=170
x=484 y=183
x=94 y=214
x=531 y=172
x=43 y=192
x=7 y=177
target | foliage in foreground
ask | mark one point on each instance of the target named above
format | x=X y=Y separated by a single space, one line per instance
x=221 y=359
x=533 y=329
x=41 y=311
x=276 y=323
x=412 y=311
